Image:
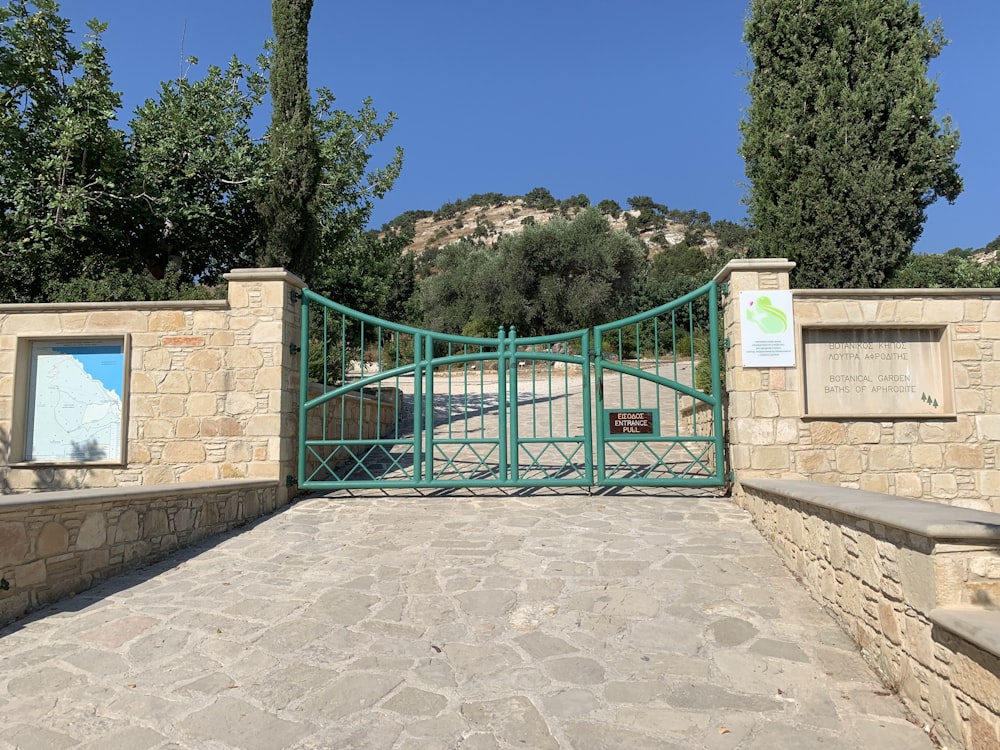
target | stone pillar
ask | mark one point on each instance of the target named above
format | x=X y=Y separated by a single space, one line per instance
x=265 y=320
x=763 y=410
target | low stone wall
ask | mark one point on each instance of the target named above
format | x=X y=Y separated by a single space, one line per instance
x=697 y=420
x=56 y=544
x=915 y=583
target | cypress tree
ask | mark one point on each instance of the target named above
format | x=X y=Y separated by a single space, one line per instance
x=841 y=148
x=289 y=225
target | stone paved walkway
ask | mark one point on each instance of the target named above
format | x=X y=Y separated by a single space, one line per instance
x=626 y=620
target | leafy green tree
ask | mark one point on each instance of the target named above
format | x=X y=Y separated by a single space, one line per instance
x=609 y=208
x=682 y=259
x=651 y=214
x=992 y=245
x=60 y=160
x=971 y=274
x=347 y=190
x=552 y=277
x=91 y=212
x=576 y=201
x=948 y=271
x=842 y=150
x=928 y=271
x=565 y=274
x=406 y=222
x=456 y=293
x=540 y=198
x=199 y=174
x=370 y=275
x=289 y=222
x=730 y=235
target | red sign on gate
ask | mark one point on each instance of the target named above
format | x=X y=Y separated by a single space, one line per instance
x=630 y=422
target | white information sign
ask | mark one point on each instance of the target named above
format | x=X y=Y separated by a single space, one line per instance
x=767 y=329
x=75 y=401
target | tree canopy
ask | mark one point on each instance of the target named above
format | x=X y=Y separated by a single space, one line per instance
x=163 y=208
x=558 y=276
x=842 y=150
x=289 y=221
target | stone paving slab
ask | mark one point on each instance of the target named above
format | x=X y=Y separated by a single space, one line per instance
x=375 y=621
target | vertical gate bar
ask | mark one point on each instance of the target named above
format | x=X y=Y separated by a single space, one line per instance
x=361 y=392
x=465 y=384
x=324 y=348
x=599 y=401
x=324 y=344
x=448 y=373
x=656 y=363
x=515 y=449
x=429 y=409
x=621 y=361
x=327 y=375
x=418 y=405
x=548 y=371
x=343 y=375
x=502 y=403
x=534 y=395
x=343 y=343
x=691 y=314
x=482 y=392
x=392 y=354
x=566 y=391
x=303 y=388
x=588 y=435
x=713 y=326
x=638 y=363
x=378 y=389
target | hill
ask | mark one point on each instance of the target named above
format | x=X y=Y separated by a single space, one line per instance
x=486 y=218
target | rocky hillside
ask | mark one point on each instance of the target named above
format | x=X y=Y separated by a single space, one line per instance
x=489 y=223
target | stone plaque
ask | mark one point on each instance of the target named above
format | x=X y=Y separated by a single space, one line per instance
x=878 y=372
x=631 y=422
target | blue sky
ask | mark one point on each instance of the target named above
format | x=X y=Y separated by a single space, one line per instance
x=612 y=100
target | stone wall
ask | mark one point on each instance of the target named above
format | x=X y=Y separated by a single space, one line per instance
x=952 y=460
x=212 y=389
x=55 y=544
x=916 y=584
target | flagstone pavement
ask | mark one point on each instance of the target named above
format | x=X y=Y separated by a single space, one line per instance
x=545 y=619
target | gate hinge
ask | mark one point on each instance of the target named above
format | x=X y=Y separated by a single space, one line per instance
x=290 y=481
x=294 y=349
x=294 y=296
x=724 y=287
x=727 y=343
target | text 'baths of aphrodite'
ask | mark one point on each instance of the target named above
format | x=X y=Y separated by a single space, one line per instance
x=882 y=383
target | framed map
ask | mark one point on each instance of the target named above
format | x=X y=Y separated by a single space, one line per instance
x=75 y=396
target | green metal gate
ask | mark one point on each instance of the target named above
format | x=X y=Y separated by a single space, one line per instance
x=387 y=405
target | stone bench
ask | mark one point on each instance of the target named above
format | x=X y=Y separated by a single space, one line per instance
x=915 y=583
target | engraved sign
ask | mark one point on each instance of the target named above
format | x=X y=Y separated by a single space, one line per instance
x=631 y=422
x=876 y=372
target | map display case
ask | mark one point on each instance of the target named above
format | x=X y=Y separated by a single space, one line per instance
x=73 y=396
